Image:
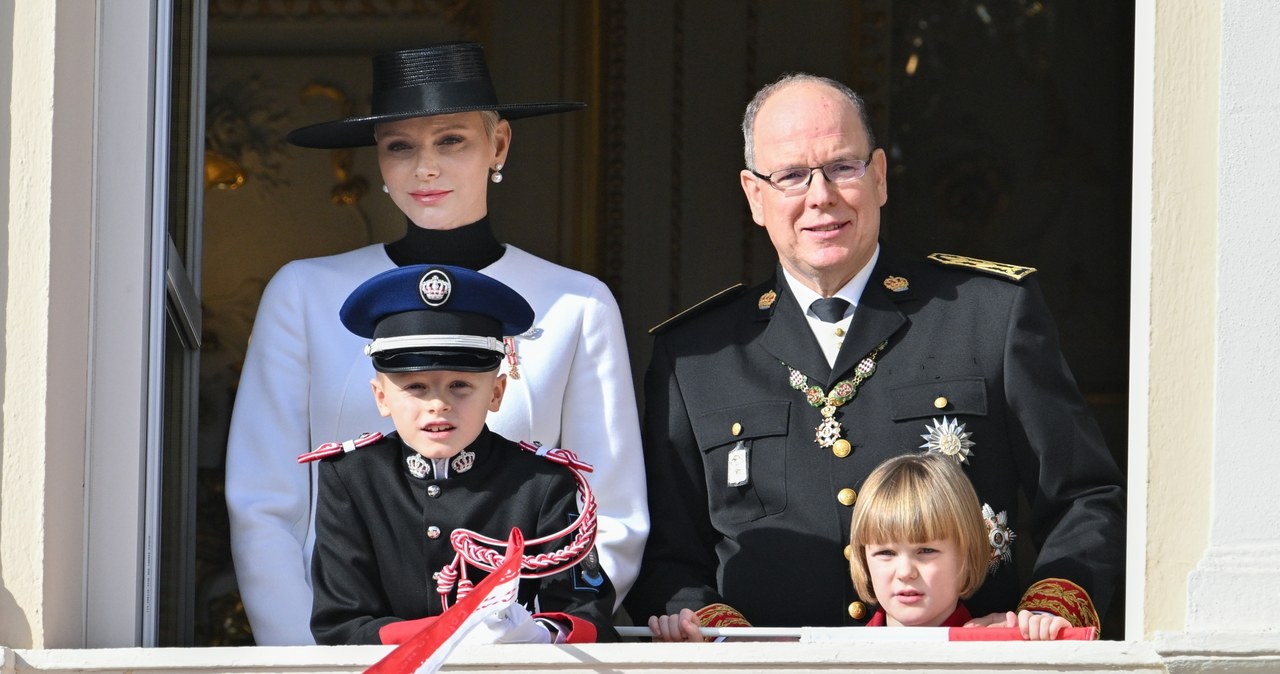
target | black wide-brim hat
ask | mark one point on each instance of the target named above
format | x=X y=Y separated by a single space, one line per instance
x=442 y=79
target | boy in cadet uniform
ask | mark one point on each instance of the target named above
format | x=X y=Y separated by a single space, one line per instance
x=388 y=505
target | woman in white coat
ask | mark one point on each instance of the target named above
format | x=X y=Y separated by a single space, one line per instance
x=441 y=139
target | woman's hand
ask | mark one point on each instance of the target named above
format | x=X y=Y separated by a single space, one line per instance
x=678 y=627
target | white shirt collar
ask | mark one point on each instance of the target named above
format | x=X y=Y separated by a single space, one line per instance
x=850 y=292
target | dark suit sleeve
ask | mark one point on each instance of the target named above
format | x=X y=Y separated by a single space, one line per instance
x=350 y=604
x=1070 y=479
x=568 y=592
x=680 y=562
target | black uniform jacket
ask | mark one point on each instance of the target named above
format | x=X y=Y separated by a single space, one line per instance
x=774 y=548
x=374 y=559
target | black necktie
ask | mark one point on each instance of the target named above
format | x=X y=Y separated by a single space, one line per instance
x=829 y=309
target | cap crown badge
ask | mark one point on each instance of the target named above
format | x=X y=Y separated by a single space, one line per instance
x=435 y=287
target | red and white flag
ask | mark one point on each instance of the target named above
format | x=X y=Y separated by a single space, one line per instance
x=426 y=651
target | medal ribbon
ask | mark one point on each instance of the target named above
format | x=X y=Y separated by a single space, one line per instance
x=829 y=430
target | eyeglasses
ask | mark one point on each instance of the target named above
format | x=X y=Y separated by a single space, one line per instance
x=795 y=180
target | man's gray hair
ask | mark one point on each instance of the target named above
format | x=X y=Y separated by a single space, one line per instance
x=788 y=79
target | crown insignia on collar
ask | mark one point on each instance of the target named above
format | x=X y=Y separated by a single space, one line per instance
x=417 y=465
x=463 y=462
x=897 y=284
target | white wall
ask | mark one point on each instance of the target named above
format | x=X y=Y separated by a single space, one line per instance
x=1243 y=559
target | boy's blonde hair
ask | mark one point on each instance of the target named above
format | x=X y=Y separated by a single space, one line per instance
x=917 y=498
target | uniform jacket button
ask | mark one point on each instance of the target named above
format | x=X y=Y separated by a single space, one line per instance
x=847 y=496
x=433 y=532
x=857 y=610
x=433 y=491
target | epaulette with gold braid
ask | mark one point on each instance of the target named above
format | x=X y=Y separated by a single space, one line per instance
x=1012 y=272
x=1061 y=598
x=708 y=303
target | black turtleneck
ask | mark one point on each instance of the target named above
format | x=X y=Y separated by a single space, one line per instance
x=472 y=246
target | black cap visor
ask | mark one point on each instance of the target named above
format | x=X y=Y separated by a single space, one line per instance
x=422 y=360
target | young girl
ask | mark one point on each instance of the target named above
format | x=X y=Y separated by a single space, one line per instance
x=920 y=546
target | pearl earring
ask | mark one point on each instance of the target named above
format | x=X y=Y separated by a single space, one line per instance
x=386 y=190
x=497 y=174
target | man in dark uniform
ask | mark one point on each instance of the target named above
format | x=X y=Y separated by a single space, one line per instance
x=767 y=407
x=388 y=506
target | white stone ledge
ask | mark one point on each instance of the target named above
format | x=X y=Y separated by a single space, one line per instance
x=1181 y=653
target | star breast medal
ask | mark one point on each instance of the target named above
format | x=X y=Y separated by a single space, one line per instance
x=948 y=437
x=999 y=535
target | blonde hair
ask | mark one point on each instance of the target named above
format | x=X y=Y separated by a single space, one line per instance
x=490 y=119
x=917 y=498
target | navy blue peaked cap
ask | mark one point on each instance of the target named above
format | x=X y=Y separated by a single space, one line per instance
x=435 y=317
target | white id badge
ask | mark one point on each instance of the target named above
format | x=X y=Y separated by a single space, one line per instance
x=739 y=465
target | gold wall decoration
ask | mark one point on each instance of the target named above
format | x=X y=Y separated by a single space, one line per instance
x=350 y=188
x=244 y=135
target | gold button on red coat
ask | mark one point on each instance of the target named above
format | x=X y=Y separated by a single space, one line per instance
x=857 y=610
x=847 y=496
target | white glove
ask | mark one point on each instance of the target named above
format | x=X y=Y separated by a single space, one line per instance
x=510 y=625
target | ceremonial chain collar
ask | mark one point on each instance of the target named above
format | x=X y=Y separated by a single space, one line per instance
x=829 y=430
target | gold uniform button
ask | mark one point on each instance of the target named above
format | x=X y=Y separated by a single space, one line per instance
x=857 y=610
x=736 y=429
x=847 y=496
x=841 y=448
x=941 y=402
x=848 y=552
